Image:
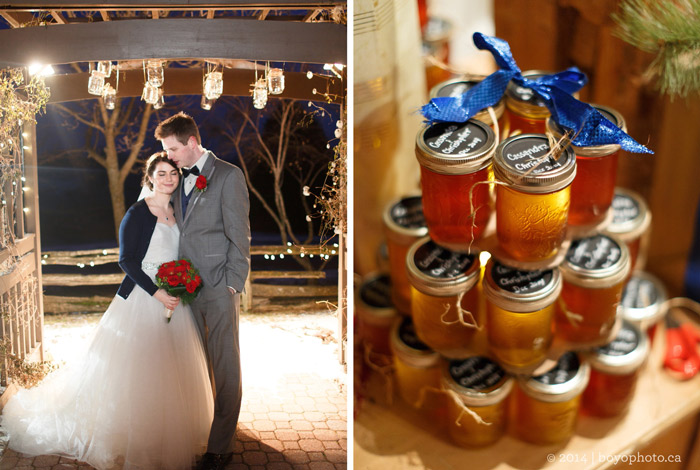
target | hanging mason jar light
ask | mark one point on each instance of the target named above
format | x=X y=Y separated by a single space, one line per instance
x=109 y=96
x=150 y=93
x=161 y=100
x=260 y=94
x=104 y=68
x=213 y=85
x=206 y=103
x=155 y=73
x=96 y=83
x=275 y=81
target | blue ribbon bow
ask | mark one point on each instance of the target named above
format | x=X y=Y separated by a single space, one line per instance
x=589 y=126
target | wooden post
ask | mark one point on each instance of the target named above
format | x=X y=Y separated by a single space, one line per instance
x=342 y=311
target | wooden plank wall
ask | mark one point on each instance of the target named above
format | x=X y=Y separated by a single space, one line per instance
x=556 y=34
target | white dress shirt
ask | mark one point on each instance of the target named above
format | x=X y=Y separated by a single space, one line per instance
x=191 y=179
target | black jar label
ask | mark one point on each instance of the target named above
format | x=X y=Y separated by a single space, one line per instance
x=625 y=342
x=408 y=213
x=455 y=89
x=520 y=282
x=565 y=370
x=436 y=261
x=407 y=334
x=594 y=253
x=455 y=139
x=476 y=373
x=639 y=293
x=376 y=292
x=625 y=208
x=528 y=154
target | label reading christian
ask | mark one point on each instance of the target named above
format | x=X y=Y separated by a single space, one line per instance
x=625 y=209
x=639 y=293
x=476 y=373
x=408 y=213
x=520 y=282
x=455 y=139
x=527 y=154
x=407 y=334
x=625 y=342
x=377 y=292
x=594 y=253
x=435 y=261
x=565 y=370
x=453 y=90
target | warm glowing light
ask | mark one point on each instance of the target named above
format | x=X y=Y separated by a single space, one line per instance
x=40 y=69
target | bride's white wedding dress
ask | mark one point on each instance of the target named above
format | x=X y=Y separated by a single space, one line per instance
x=140 y=396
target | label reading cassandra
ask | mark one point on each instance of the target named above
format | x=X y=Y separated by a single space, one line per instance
x=455 y=139
x=594 y=253
x=476 y=373
x=435 y=261
x=408 y=213
x=565 y=370
x=528 y=154
x=407 y=334
x=625 y=209
x=625 y=342
x=639 y=293
x=520 y=282
x=377 y=292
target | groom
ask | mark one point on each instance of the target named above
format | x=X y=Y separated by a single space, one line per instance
x=211 y=208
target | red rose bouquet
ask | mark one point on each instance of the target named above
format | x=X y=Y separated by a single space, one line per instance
x=179 y=279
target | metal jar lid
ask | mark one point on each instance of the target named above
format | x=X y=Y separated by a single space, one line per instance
x=458 y=86
x=623 y=355
x=631 y=215
x=407 y=347
x=455 y=148
x=523 y=100
x=642 y=299
x=479 y=381
x=404 y=219
x=374 y=298
x=437 y=271
x=566 y=380
x=515 y=159
x=597 y=261
x=520 y=291
x=598 y=150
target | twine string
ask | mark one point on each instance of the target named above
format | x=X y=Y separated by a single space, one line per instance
x=385 y=371
x=463 y=409
x=470 y=321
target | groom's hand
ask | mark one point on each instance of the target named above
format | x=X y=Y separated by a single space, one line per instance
x=233 y=291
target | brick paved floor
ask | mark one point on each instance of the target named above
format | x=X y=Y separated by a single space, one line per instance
x=294 y=411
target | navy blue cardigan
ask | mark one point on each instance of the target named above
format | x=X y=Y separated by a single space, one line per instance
x=135 y=234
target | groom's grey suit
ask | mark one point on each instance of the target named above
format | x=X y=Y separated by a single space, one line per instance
x=215 y=236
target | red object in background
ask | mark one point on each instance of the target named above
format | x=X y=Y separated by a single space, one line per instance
x=422 y=14
x=681 y=356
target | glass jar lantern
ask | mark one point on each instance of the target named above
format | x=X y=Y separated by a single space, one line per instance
x=260 y=94
x=214 y=85
x=453 y=158
x=631 y=221
x=275 y=81
x=375 y=312
x=96 y=83
x=109 y=96
x=155 y=73
x=532 y=205
x=456 y=87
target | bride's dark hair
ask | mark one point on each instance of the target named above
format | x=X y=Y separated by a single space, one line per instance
x=150 y=167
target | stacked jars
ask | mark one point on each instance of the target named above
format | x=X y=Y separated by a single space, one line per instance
x=458 y=86
x=527 y=113
x=375 y=313
x=631 y=221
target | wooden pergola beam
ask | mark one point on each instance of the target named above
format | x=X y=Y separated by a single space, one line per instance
x=235 y=38
x=17 y=18
x=61 y=5
x=58 y=17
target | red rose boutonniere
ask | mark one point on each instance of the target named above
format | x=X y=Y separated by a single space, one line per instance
x=201 y=183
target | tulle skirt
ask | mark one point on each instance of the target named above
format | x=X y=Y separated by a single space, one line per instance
x=139 y=398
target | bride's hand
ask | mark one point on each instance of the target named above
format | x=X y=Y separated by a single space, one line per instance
x=170 y=302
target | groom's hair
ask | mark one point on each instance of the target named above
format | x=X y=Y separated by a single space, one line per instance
x=181 y=125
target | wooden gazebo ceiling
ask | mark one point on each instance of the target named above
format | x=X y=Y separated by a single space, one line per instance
x=62 y=32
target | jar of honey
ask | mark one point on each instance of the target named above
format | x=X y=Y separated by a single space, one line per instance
x=527 y=112
x=458 y=86
x=477 y=411
x=546 y=406
x=444 y=297
x=593 y=188
x=436 y=46
x=453 y=158
x=520 y=314
x=404 y=224
x=615 y=369
x=417 y=367
x=532 y=205
x=594 y=271
x=375 y=312
x=642 y=299
x=631 y=220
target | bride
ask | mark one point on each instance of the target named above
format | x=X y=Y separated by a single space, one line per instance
x=140 y=396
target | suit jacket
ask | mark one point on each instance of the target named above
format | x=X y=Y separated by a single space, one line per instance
x=135 y=232
x=215 y=231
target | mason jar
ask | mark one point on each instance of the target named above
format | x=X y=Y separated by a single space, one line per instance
x=436 y=44
x=631 y=221
x=375 y=312
x=532 y=204
x=642 y=299
x=455 y=158
x=444 y=297
x=527 y=112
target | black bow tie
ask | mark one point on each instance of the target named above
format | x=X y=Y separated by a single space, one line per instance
x=190 y=171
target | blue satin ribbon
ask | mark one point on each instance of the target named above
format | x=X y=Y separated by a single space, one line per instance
x=589 y=126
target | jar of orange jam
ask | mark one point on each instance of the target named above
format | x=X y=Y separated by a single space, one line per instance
x=533 y=203
x=375 y=312
x=416 y=366
x=458 y=86
x=527 y=113
x=642 y=299
x=594 y=271
x=593 y=188
x=615 y=369
x=520 y=314
x=477 y=412
x=436 y=44
x=444 y=297
x=453 y=157
x=404 y=224
x=631 y=220
x=546 y=407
